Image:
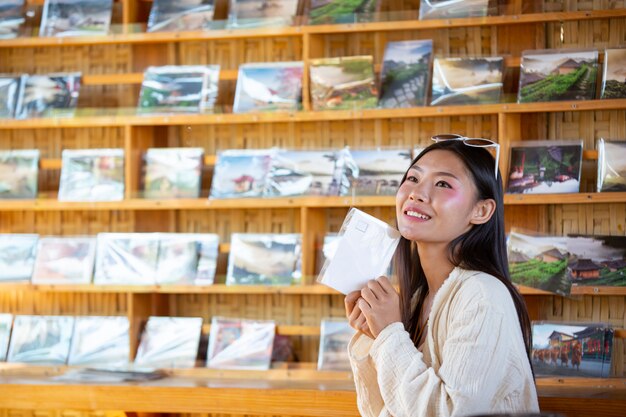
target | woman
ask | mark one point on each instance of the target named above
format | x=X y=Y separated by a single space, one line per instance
x=456 y=339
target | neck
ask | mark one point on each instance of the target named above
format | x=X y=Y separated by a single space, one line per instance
x=435 y=264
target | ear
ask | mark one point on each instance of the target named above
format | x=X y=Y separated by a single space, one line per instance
x=483 y=210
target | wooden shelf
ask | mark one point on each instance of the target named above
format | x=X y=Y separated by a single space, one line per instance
x=583 y=290
x=302 y=392
x=574 y=198
x=409 y=22
x=128 y=117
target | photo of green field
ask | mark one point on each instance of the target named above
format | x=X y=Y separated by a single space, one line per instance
x=557 y=75
x=340 y=11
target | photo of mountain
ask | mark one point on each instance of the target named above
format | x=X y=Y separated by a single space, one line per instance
x=447 y=9
x=555 y=75
x=342 y=11
x=177 y=15
x=11 y=18
x=305 y=173
x=614 y=81
x=379 y=171
x=76 y=17
x=460 y=81
x=343 y=83
x=269 y=87
x=611 y=165
x=405 y=74
x=261 y=13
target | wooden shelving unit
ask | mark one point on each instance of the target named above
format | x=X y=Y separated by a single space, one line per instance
x=112 y=68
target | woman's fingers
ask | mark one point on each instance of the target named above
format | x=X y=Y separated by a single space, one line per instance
x=368 y=295
x=386 y=284
x=350 y=300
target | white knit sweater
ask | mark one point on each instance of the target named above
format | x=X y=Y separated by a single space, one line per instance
x=473 y=360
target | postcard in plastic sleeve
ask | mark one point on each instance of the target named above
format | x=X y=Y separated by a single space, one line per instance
x=334 y=340
x=366 y=246
x=64 y=260
x=41 y=339
x=126 y=258
x=6 y=320
x=240 y=344
x=100 y=341
x=170 y=342
x=17 y=256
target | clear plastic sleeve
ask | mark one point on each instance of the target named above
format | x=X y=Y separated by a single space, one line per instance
x=173 y=172
x=49 y=95
x=557 y=75
x=172 y=16
x=240 y=344
x=11 y=21
x=269 y=87
x=100 y=341
x=405 y=74
x=17 y=256
x=178 y=258
x=545 y=167
x=64 y=260
x=334 y=340
x=19 y=171
x=41 y=339
x=127 y=258
x=452 y=9
x=180 y=88
x=11 y=88
x=264 y=259
x=378 y=172
x=256 y=13
x=562 y=349
x=241 y=173
x=614 y=79
x=76 y=18
x=341 y=11
x=365 y=249
x=92 y=175
x=169 y=342
x=6 y=320
x=611 y=166
x=207 y=260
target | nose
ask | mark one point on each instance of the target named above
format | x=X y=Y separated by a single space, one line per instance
x=419 y=193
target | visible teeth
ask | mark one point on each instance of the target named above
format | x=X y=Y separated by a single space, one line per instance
x=416 y=214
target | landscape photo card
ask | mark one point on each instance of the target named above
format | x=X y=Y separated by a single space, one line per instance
x=126 y=258
x=240 y=344
x=264 y=259
x=178 y=258
x=169 y=342
x=572 y=349
x=379 y=171
x=207 y=259
x=92 y=175
x=173 y=172
x=597 y=260
x=558 y=74
x=41 y=340
x=539 y=262
x=11 y=18
x=342 y=11
x=614 y=79
x=269 y=87
x=241 y=173
x=297 y=173
x=64 y=260
x=611 y=165
x=261 y=13
x=545 y=167
x=334 y=340
x=180 y=15
x=51 y=95
x=11 y=91
x=364 y=251
x=100 y=341
x=450 y=9
x=6 y=321
x=19 y=171
x=405 y=74
x=462 y=81
x=17 y=256
x=76 y=17
x=344 y=83
x=179 y=88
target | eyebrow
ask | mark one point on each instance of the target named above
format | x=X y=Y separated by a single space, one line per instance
x=441 y=173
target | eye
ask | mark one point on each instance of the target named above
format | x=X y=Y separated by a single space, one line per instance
x=412 y=178
x=443 y=184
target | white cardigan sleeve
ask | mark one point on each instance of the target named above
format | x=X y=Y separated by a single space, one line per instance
x=473 y=369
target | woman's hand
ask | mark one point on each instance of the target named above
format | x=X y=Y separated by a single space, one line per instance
x=354 y=314
x=380 y=304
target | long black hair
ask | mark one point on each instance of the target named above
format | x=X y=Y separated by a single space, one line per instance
x=482 y=248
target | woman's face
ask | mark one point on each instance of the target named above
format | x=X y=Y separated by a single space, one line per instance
x=437 y=201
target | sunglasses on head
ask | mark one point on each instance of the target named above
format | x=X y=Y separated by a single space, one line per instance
x=475 y=142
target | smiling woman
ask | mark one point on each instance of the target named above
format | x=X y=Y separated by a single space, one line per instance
x=456 y=338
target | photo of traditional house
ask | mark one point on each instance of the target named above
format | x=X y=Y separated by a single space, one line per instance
x=597 y=260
